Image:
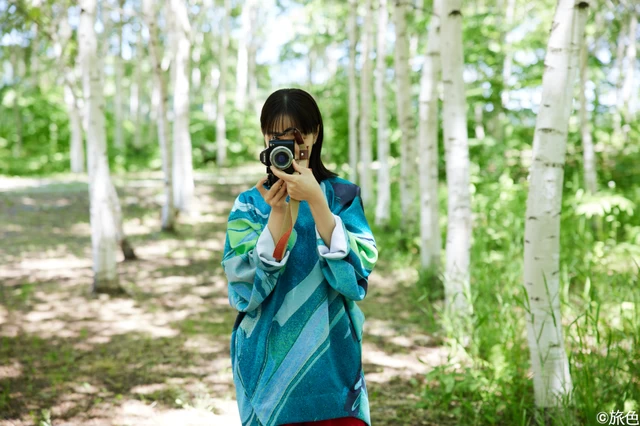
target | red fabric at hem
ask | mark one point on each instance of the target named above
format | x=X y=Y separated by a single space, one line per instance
x=343 y=421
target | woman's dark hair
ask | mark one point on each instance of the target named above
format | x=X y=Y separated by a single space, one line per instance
x=304 y=114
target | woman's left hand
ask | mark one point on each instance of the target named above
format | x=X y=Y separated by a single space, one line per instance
x=302 y=186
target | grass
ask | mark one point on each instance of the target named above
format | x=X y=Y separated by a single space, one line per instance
x=490 y=383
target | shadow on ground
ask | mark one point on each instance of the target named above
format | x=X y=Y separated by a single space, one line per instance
x=160 y=355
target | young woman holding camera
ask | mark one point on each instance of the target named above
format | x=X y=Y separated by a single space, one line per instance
x=296 y=345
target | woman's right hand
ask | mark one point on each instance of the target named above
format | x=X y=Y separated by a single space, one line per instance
x=275 y=196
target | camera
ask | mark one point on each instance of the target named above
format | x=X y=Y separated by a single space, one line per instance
x=280 y=154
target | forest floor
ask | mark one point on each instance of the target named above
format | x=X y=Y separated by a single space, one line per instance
x=160 y=354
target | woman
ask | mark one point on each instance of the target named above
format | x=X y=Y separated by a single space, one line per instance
x=296 y=345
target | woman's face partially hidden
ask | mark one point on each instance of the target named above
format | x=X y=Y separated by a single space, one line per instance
x=286 y=123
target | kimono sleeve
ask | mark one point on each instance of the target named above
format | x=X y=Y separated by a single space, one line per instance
x=251 y=271
x=352 y=254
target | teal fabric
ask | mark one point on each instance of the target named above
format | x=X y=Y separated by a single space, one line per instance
x=296 y=346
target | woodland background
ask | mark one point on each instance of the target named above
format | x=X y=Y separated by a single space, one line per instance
x=151 y=345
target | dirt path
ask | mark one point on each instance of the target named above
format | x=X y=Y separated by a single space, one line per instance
x=161 y=355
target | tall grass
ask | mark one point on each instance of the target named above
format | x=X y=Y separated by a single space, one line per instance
x=489 y=382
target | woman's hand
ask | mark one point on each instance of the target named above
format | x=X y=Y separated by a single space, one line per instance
x=302 y=186
x=275 y=196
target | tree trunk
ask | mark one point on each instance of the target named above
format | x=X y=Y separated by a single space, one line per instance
x=508 y=56
x=221 y=124
x=242 y=69
x=403 y=101
x=365 y=105
x=75 y=124
x=619 y=66
x=17 y=71
x=588 y=155
x=551 y=376
x=458 y=244
x=628 y=85
x=183 y=184
x=103 y=226
x=383 y=206
x=353 y=92
x=431 y=241
x=118 y=75
x=135 y=97
x=161 y=106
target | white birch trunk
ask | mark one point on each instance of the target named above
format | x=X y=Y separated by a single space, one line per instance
x=135 y=97
x=628 y=85
x=458 y=243
x=508 y=57
x=118 y=75
x=242 y=68
x=160 y=101
x=353 y=93
x=103 y=227
x=75 y=124
x=366 y=100
x=183 y=183
x=221 y=124
x=383 y=206
x=431 y=241
x=588 y=154
x=619 y=66
x=403 y=101
x=551 y=376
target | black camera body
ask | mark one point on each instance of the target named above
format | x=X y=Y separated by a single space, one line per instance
x=280 y=154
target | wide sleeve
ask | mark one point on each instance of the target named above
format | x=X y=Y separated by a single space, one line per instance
x=352 y=254
x=251 y=270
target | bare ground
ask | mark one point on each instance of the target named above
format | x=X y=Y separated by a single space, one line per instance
x=160 y=354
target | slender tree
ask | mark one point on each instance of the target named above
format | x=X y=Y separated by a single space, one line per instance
x=551 y=376
x=221 y=124
x=104 y=237
x=454 y=115
x=430 y=238
x=183 y=184
x=161 y=107
x=403 y=101
x=629 y=75
x=118 y=76
x=588 y=154
x=366 y=100
x=353 y=92
x=242 y=68
x=383 y=206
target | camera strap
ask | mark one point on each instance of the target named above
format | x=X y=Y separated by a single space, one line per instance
x=291 y=213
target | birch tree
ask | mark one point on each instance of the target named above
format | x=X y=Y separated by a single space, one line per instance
x=588 y=154
x=383 y=206
x=242 y=68
x=403 y=101
x=628 y=84
x=183 y=185
x=366 y=100
x=221 y=125
x=118 y=76
x=458 y=244
x=75 y=126
x=103 y=221
x=551 y=376
x=161 y=107
x=353 y=92
x=430 y=238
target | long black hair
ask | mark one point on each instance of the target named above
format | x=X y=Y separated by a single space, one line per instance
x=303 y=112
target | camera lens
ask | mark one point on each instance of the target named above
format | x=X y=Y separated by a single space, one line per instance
x=281 y=157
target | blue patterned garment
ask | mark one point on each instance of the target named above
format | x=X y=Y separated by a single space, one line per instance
x=296 y=346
